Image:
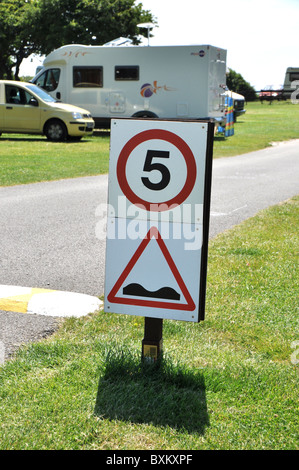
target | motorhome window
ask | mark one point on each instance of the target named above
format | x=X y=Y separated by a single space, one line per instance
x=294 y=76
x=127 y=72
x=49 y=79
x=87 y=77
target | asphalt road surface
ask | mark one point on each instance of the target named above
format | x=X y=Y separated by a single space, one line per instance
x=48 y=230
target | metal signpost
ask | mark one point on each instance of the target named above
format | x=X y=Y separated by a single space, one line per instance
x=157 y=222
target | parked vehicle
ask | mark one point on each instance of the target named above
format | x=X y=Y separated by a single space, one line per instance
x=138 y=81
x=26 y=108
x=239 y=103
x=271 y=93
x=290 y=85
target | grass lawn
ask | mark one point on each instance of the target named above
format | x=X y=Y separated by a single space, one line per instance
x=27 y=159
x=261 y=125
x=230 y=382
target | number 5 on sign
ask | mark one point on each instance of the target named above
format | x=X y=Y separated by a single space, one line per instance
x=149 y=166
x=157 y=169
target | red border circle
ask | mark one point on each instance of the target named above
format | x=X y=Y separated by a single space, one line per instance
x=157 y=134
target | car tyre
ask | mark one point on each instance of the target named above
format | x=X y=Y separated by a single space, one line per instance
x=55 y=131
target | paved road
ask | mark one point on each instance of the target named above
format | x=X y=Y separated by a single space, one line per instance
x=244 y=185
x=48 y=230
x=47 y=233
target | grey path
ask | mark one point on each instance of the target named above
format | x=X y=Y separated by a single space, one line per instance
x=244 y=185
x=47 y=233
x=48 y=230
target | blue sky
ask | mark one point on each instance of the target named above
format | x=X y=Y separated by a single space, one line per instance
x=261 y=36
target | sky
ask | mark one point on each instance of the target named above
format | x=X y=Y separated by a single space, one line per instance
x=260 y=36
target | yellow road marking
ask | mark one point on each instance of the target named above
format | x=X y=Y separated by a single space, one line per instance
x=19 y=303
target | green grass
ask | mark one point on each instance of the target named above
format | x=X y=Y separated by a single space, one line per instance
x=27 y=159
x=230 y=382
x=261 y=125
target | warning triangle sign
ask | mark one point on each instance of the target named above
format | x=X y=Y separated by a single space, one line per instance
x=136 y=294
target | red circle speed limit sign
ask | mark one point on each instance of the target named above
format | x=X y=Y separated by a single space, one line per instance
x=163 y=168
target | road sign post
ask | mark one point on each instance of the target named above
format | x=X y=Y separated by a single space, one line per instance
x=152 y=342
x=157 y=222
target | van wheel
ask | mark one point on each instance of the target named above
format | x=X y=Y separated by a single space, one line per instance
x=56 y=131
x=145 y=114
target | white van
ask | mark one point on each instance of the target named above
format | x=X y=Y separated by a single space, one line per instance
x=171 y=82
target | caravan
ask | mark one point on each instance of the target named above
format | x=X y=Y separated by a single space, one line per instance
x=291 y=82
x=166 y=82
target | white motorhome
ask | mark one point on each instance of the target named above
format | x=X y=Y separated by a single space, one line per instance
x=167 y=82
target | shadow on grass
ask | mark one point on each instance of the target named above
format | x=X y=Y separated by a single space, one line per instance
x=160 y=394
x=101 y=133
x=22 y=139
x=42 y=139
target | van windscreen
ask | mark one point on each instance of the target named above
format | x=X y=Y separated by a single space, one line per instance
x=294 y=76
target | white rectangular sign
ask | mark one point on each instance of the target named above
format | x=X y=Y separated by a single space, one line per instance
x=158 y=215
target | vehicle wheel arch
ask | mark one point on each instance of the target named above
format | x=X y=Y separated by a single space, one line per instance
x=145 y=114
x=63 y=135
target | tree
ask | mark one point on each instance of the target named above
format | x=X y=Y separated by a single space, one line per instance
x=39 y=26
x=87 y=22
x=16 y=34
x=236 y=82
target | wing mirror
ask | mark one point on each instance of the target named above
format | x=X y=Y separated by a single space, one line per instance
x=33 y=102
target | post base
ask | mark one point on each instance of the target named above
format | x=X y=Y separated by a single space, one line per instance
x=152 y=342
